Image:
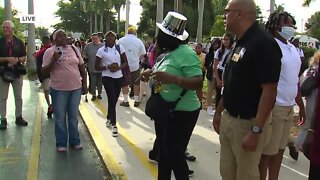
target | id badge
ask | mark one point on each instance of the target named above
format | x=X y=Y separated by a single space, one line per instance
x=235 y=57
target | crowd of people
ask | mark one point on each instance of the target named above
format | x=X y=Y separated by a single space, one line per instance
x=253 y=74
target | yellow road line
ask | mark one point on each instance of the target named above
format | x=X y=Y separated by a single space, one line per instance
x=139 y=153
x=108 y=158
x=33 y=164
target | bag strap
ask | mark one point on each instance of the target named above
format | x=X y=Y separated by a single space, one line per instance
x=75 y=52
x=183 y=92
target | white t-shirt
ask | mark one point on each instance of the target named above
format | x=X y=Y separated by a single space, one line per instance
x=289 y=75
x=300 y=51
x=108 y=56
x=134 y=49
x=216 y=56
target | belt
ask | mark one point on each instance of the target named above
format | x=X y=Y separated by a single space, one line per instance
x=240 y=116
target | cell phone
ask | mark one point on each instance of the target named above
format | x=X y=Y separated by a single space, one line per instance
x=59 y=49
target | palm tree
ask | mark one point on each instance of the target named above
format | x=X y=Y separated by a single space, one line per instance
x=178 y=6
x=87 y=8
x=117 y=5
x=200 y=20
x=307 y=3
x=7 y=7
x=272 y=4
x=159 y=13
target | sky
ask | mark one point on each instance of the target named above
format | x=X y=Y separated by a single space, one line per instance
x=45 y=9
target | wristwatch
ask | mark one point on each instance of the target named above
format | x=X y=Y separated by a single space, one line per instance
x=256 y=130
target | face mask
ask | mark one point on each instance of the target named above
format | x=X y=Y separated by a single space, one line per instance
x=287 y=32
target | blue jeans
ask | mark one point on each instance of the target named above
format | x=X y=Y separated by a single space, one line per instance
x=66 y=103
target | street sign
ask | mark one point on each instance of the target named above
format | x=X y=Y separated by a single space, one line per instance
x=30 y=18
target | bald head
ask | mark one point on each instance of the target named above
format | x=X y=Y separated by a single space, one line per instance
x=246 y=6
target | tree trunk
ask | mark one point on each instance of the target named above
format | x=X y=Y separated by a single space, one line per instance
x=101 y=22
x=95 y=22
x=90 y=22
x=200 y=20
x=8 y=9
x=108 y=22
x=118 y=20
x=127 y=15
x=159 y=13
x=31 y=64
x=272 y=3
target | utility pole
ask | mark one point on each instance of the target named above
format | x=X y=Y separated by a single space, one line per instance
x=7 y=7
x=31 y=65
x=159 y=13
x=127 y=15
x=272 y=4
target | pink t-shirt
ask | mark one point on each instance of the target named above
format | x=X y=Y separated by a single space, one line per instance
x=65 y=75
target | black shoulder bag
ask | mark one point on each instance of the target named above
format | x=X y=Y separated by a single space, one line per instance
x=159 y=109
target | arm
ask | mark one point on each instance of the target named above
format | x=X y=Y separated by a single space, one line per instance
x=83 y=74
x=302 y=112
x=124 y=61
x=217 y=116
x=12 y=60
x=192 y=83
x=98 y=65
x=46 y=70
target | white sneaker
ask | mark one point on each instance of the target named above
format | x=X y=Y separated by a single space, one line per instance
x=210 y=111
x=108 y=123
x=114 y=131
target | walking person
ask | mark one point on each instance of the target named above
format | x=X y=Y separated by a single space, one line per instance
x=46 y=43
x=95 y=77
x=251 y=74
x=68 y=79
x=178 y=70
x=281 y=26
x=110 y=59
x=134 y=48
x=12 y=58
x=208 y=64
x=314 y=137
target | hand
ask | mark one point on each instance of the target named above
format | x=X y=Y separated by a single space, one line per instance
x=12 y=60
x=302 y=119
x=84 y=90
x=164 y=77
x=56 y=56
x=216 y=122
x=113 y=67
x=250 y=142
x=22 y=60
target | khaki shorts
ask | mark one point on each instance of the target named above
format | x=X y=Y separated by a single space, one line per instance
x=282 y=119
x=135 y=77
x=45 y=84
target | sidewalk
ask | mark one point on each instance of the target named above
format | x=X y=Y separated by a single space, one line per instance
x=30 y=153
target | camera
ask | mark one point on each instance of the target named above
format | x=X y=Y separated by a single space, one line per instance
x=20 y=69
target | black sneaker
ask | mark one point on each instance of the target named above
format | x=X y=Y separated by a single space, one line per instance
x=124 y=104
x=293 y=153
x=153 y=158
x=190 y=172
x=99 y=96
x=21 y=122
x=50 y=111
x=3 y=124
x=93 y=98
x=189 y=157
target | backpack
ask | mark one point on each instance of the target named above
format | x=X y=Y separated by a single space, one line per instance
x=39 y=61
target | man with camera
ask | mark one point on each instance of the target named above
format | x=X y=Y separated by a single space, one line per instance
x=12 y=58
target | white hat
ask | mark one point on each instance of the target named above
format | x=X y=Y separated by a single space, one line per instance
x=174 y=24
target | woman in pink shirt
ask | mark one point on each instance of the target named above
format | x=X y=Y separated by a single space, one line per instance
x=67 y=80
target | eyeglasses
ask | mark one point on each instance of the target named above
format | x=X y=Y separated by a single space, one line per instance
x=228 y=11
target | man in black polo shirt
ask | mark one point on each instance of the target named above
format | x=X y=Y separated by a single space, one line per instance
x=12 y=54
x=250 y=88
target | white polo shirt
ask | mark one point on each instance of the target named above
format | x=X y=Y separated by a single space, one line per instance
x=289 y=75
x=221 y=61
x=134 y=49
x=108 y=56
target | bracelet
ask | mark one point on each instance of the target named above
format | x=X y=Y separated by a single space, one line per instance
x=311 y=130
